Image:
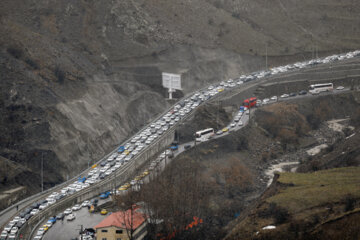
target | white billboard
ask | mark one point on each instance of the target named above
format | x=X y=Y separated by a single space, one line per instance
x=171 y=81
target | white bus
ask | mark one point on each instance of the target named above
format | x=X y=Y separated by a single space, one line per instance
x=204 y=135
x=322 y=87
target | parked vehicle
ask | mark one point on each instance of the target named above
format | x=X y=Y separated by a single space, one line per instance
x=67 y=211
x=76 y=207
x=174 y=146
x=52 y=220
x=70 y=217
x=60 y=216
x=204 y=135
x=105 y=195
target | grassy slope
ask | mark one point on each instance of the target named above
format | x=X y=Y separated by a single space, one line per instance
x=309 y=190
x=312 y=202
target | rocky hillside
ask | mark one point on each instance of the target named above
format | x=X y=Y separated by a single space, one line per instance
x=229 y=175
x=78 y=77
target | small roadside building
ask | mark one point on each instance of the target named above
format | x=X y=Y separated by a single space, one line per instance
x=118 y=225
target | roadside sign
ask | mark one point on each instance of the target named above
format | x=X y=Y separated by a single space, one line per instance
x=171 y=81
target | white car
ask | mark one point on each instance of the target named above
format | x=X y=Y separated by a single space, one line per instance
x=4 y=234
x=14 y=230
x=340 y=88
x=239 y=82
x=12 y=236
x=51 y=201
x=43 y=206
x=274 y=98
x=70 y=217
x=76 y=207
x=284 y=95
x=85 y=203
x=240 y=123
x=34 y=212
x=67 y=211
x=40 y=232
x=64 y=190
x=232 y=125
x=49 y=224
x=16 y=219
x=265 y=101
x=37 y=237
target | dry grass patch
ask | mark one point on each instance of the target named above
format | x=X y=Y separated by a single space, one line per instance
x=309 y=190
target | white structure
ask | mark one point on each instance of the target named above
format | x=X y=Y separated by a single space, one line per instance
x=172 y=82
x=204 y=135
x=322 y=87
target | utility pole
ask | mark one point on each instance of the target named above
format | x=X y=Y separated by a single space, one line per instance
x=115 y=183
x=42 y=171
x=217 y=115
x=266 y=57
x=312 y=51
x=81 y=231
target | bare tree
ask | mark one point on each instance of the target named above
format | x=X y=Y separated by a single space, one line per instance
x=127 y=205
x=175 y=198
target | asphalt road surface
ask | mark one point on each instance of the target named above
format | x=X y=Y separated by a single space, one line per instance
x=64 y=229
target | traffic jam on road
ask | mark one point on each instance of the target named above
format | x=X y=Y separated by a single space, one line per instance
x=133 y=147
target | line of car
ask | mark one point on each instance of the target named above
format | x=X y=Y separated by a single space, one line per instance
x=142 y=140
x=265 y=101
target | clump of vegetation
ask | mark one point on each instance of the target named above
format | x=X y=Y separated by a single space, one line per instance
x=59 y=74
x=235 y=15
x=355 y=119
x=16 y=52
x=32 y=63
x=279 y=214
x=284 y=122
x=350 y=202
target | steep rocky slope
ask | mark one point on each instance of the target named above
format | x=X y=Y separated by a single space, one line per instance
x=78 y=77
